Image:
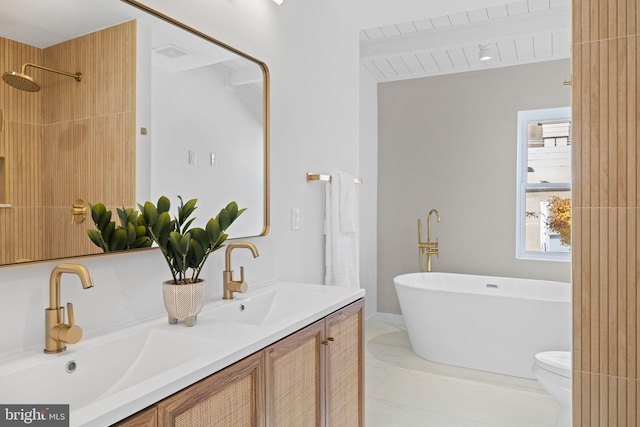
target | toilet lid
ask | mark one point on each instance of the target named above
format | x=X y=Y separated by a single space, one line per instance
x=558 y=362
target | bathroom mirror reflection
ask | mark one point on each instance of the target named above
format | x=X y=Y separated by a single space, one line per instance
x=159 y=109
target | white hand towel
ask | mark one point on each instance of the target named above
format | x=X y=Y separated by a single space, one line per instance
x=341 y=231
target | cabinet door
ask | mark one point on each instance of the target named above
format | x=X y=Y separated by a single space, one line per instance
x=295 y=379
x=345 y=367
x=145 y=418
x=231 y=397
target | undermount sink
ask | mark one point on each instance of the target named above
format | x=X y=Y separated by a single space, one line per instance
x=108 y=368
x=267 y=308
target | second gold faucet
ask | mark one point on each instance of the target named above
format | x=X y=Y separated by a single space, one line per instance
x=229 y=285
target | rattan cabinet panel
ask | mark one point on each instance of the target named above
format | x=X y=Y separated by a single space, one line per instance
x=295 y=379
x=231 y=397
x=345 y=367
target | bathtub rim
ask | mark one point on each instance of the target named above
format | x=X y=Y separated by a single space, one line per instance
x=422 y=286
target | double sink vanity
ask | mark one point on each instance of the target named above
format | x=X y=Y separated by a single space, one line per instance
x=276 y=355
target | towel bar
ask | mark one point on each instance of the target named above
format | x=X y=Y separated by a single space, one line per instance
x=327 y=178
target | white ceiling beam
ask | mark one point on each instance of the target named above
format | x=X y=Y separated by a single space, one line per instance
x=557 y=19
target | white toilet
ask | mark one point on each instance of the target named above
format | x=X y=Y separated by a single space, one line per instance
x=553 y=371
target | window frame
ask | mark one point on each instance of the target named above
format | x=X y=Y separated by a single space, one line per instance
x=522 y=184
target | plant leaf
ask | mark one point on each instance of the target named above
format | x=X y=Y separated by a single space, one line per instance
x=150 y=214
x=107 y=232
x=174 y=240
x=185 y=210
x=197 y=252
x=224 y=218
x=95 y=238
x=118 y=240
x=142 y=242
x=104 y=220
x=163 y=204
x=185 y=228
x=213 y=230
x=163 y=225
x=97 y=211
x=131 y=233
x=122 y=214
x=201 y=236
x=232 y=208
x=141 y=231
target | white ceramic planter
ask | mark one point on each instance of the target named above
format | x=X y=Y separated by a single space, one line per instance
x=183 y=302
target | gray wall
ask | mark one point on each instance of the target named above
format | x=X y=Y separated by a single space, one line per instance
x=449 y=143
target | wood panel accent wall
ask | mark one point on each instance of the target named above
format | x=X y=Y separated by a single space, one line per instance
x=606 y=197
x=89 y=132
x=21 y=224
x=70 y=140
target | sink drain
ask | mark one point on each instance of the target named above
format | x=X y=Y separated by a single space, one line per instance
x=71 y=366
x=242 y=308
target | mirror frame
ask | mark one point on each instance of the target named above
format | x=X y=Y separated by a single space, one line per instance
x=265 y=99
x=266 y=131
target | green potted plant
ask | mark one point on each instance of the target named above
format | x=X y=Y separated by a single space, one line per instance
x=130 y=234
x=185 y=250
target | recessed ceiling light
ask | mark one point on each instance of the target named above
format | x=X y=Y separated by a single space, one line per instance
x=279 y=1
x=484 y=54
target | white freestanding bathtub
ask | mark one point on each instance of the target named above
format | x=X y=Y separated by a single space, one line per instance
x=494 y=324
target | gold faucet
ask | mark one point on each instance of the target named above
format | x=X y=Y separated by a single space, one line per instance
x=57 y=333
x=231 y=286
x=428 y=248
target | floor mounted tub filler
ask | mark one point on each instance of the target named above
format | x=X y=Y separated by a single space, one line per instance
x=494 y=324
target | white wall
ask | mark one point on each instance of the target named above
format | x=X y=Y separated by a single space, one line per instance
x=194 y=111
x=313 y=63
x=369 y=189
x=449 y=143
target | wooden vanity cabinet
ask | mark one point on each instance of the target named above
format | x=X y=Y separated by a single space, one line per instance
x=314 y=378
x=345 y=366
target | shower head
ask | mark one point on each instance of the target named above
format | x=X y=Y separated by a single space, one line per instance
x=24 y=82
x=20 y=81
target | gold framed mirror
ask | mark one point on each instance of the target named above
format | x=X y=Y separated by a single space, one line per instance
x=160 y=109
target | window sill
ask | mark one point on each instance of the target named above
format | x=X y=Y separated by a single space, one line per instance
x=545 y=256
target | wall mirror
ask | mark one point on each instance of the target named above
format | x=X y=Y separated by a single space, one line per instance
x=159 y=109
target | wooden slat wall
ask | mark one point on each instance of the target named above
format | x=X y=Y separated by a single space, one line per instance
x=70 y=140
x=21 y=225
x=606 y=197
x=89 y=148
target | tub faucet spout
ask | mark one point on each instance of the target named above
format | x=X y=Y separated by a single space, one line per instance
x=428 y=248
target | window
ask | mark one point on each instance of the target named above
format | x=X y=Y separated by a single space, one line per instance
x=544 y=185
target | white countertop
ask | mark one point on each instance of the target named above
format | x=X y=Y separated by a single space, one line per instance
x=218 y=343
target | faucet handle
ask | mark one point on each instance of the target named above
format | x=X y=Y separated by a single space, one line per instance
x=242 y=285
x=69 y=333
x=238 y=286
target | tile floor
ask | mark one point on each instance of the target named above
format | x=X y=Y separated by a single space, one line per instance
x=403 y=390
